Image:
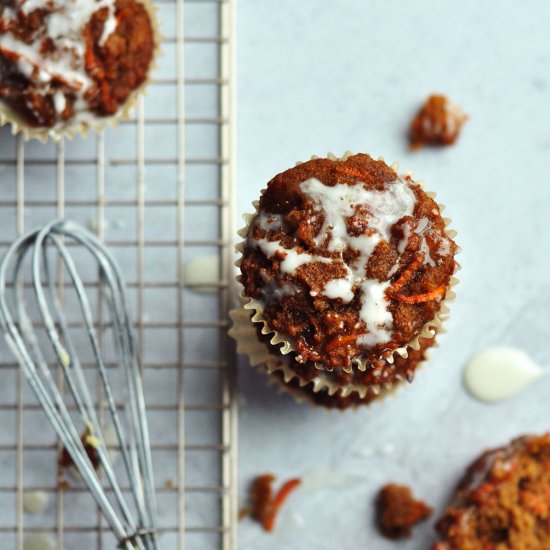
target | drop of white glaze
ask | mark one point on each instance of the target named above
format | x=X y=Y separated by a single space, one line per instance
x=500 y=372
x=339 y=288
x=35 y=502
x=59 y=101
x=38 y=541
x=204 y=270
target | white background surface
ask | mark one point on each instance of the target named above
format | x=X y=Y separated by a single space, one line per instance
x=318 y=76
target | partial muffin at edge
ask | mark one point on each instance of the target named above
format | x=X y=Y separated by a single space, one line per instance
x=503 y=500
x=64 y=62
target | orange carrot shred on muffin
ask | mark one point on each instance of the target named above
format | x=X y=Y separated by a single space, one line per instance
x=420 y=298
x=407 y=274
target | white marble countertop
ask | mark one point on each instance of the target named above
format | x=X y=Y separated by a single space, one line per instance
x=331 y=76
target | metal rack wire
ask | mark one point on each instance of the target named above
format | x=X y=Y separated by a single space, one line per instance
x=159 y=190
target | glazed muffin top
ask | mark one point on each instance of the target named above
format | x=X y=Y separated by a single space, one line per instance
x=62 y=60
x=503 y=501
x=347 y=259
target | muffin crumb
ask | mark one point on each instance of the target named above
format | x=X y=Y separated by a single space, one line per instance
x=503 y=500
x=90 y=447
x=439 y=122
x=398 y=511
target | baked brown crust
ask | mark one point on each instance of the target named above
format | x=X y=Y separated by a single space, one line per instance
x=503 y=500
x=115 y=67
x=325 y=330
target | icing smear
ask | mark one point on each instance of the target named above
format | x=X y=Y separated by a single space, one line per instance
x=63 y=25
x=500 y=372
x=293 y=260
x=381 y=209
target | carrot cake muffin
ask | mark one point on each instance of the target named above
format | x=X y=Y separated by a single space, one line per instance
x=503 y=501
x=346 y=262
x=438 y=122
x=70 y=61
x=397 y=511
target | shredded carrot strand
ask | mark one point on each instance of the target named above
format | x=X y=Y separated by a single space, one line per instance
x=407 y=274
x=350 y=171
x=420 y=298
x=278 y=501
x=340 y=341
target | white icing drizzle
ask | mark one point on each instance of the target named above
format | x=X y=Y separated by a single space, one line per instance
x=269 y=222
x=339 y=201
x=340 y=288
x=109 y=26
x=374 y=312
x=422 y=225
x=271 y=291
x=444 y=247
x=405 y=240
x=425 y=249
x=64 y=27
x=500 y=372
x=292 y=259
x=59 y=101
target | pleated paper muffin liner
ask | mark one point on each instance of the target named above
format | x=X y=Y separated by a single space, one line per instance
x=75 y=127
x=262 y=356
x=285 y=346
x=303 y=394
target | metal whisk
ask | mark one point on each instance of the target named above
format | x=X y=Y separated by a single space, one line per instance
x=133 y=525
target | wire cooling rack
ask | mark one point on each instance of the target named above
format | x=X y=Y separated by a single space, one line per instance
x=159 y=190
